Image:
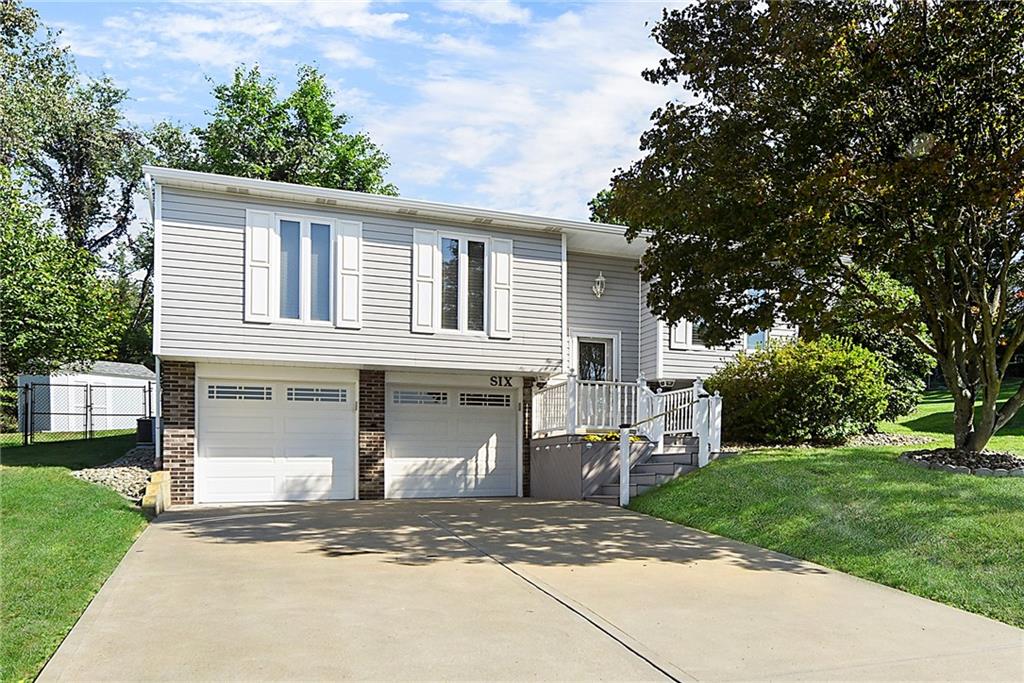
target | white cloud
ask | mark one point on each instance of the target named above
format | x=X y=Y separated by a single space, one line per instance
x=542 y=127
x=490 y=11
x=465 y=47
x=347 y=55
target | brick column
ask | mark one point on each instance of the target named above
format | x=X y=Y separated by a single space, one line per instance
x=178 y=409
x=527 y=432
x=371 y=434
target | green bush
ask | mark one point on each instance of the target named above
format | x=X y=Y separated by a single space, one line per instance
x=820 y=391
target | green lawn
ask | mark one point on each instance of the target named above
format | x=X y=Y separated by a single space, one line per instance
x=61 y=539
x=935 y=417
x=953 y=538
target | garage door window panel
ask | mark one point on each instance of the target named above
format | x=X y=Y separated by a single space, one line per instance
x=317 y=394
x=425 y=398
x=239 y=392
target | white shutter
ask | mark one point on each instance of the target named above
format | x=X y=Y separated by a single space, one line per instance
x=426 y=281
x=348 y=277
x=679 y=337
x=259 y=253
x=501 y=288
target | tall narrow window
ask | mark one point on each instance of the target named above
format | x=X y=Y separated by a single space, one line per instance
x=697 y=333
x=756 y=340
x=290 y=233
x=449 y=283
x=475 y=304
x=320 y=271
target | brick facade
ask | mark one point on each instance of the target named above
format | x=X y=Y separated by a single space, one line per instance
x=371 y=434
x=527 y=432
x=178 y=410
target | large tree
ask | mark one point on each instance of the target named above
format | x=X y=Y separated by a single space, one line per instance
x=77 y=163
x=56 y=308
x=256 y=133
x=816 y=144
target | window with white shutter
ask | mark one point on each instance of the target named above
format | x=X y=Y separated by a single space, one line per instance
x=349 y=276
x=501 y=288
x=303 y=269
x=260 y=247
x=426 y=285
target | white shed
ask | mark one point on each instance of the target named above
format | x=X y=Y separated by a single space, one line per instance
x=105 y=396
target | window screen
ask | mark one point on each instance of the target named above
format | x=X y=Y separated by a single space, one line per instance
x=475 y=308
x=290 y=269
x=450 y=283
x=320 y=271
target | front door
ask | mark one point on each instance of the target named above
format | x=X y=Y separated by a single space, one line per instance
x=594 y=359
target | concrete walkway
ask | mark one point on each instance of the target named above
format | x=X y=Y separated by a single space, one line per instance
x=503 y=590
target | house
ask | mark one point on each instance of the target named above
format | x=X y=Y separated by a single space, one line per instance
x=318 y=343
x=101 y=396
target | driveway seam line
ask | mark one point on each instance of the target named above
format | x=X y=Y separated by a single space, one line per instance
x=590 y=617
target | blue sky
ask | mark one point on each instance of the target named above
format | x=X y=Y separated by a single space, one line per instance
x=518 y=106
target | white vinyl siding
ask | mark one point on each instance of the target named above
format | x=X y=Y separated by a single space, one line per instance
x=649 y=340
x=615 y=312
x=202 y=295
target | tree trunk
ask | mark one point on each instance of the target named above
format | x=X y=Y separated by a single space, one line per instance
x=985 y=422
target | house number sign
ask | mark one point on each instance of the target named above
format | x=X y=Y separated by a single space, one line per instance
x=501 y=381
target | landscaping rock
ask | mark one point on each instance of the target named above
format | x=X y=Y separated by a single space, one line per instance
x=1017 y=472
x=939 y=458
x=1000 y=472
x=960 y=469
x=882 y=439
x=921 y=463
x=983 y=472
x=128 y=475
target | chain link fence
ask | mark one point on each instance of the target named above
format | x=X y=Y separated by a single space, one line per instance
x=50 y=411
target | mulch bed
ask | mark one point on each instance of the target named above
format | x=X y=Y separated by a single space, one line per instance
x=985 y=463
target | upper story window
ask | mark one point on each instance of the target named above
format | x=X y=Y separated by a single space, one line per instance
x=686 y=334
x=461 y=283
x=463 y=293
x=756 y=340
x=303 y=269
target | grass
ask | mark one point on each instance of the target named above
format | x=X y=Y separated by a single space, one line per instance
x=935 y=417
x=16 y=440
x=952 y=538
x=61 y=539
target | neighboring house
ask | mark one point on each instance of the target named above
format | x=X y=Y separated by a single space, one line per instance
x=102 y=396
x=318 y=343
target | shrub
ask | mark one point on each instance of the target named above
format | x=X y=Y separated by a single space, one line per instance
x=820 y=391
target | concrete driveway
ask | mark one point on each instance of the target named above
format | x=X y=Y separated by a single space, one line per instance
x=491 y=589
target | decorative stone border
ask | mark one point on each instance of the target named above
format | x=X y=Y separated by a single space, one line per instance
x=959 y=469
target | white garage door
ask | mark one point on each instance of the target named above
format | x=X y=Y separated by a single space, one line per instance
x=450 y=442
x=267 y=441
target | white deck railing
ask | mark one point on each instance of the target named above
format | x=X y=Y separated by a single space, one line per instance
x=572 y=406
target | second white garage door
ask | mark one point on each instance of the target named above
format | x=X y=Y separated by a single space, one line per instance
x=446 y=442
x=275 y=440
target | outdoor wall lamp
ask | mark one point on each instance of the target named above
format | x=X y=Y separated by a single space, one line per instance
x=599 y=283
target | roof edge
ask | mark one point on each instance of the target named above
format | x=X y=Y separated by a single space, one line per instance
x=374 y=202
